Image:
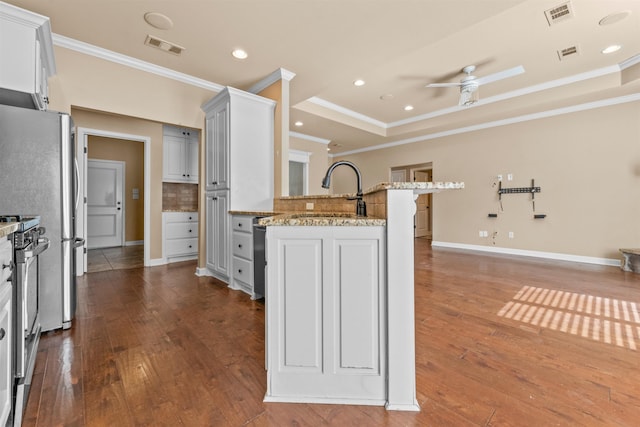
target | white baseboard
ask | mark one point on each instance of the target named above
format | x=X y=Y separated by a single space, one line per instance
x=156 y=262
x=134 y=243
x=202 y=272
x=527 y=253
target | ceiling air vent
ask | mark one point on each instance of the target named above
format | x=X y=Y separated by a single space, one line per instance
x=163 y=45
x=568 y=52
x=559 y=13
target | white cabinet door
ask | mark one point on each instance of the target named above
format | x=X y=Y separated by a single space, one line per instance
x=192 y=166
x=27 y=57
x=6 y=351
x=173 y=159
x=217 y=167
x=326 y=314
x=180 y=155
x=217 y=231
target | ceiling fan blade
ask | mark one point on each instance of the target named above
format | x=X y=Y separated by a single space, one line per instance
x=443 y=85
x=500 y=75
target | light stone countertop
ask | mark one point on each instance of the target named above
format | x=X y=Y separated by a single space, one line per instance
x=321 y=219
x=418 y=187
x=7 y=228
x=255 y=213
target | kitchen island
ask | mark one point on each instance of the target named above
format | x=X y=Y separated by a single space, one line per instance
x=340 y=301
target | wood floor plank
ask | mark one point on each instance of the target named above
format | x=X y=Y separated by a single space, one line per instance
x=162 y=346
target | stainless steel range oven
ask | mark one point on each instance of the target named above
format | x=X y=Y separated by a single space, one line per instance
x=28 y=243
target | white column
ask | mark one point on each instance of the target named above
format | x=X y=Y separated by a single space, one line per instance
x=401 y=392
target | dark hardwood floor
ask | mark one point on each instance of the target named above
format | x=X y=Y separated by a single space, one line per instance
x=499 y=340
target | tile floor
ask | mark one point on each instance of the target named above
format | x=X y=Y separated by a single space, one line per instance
x=117 y=258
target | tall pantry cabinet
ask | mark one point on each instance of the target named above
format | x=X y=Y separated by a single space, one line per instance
x=238 y=167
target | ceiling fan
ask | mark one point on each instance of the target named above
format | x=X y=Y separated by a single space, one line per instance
x=469 y=84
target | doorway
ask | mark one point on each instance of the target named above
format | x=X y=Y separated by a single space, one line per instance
x=423 y=219
x=81 y=219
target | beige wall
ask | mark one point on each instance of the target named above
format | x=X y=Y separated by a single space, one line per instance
x=318 y=162
x=586 y=163
x=132 y=154
x=126 y=100
x=133 y=126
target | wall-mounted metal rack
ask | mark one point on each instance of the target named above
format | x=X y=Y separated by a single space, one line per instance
x=519 y=190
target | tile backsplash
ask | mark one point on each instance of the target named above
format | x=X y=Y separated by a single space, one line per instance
x=179 y=197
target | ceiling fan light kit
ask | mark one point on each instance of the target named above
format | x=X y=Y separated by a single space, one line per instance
x=469 y=84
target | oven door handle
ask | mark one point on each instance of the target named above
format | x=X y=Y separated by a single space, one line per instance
x=43 y=245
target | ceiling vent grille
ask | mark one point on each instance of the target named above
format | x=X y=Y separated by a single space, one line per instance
x=163 y=45
x=559 y=13
x=568 y=52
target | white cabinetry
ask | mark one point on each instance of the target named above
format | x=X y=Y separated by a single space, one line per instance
x=6 y=336
x=217 y=232
x=326 y=317
x=180 y=233
x=26 y=49
x=238 y=167
x=180 y=154
x=242 y=248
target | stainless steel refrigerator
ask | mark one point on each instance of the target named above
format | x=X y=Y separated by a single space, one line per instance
x=39 y=177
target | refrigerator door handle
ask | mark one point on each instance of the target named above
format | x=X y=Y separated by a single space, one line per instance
x=77 y=242
x=75 y=166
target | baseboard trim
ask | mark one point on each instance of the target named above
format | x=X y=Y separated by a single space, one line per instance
x=134 y=243
x=156 y=262
x=527 y=253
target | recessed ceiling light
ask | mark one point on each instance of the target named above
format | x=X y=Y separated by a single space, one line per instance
x=239 y=54
x=611 y=49
x=358 y=82
x=614 y=17
x=298 y=123
x=408 y=107
x=158 y=20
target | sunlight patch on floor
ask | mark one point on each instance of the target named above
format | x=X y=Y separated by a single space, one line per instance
x=608 y=320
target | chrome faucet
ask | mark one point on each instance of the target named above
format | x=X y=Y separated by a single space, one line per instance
x=361 y=207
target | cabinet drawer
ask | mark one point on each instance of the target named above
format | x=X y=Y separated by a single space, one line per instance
x=243 y=245
x=242 y=223
x=181 y=230
x=177 y=247
x=242 y=270
x=180 y=216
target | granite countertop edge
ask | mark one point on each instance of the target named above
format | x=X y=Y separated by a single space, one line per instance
x=8 y=228
x=449 y=185
x=321 y=219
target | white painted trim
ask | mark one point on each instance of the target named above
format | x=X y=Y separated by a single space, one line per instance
x=299 y=156
x=527 y=253
x=134 y=243
x=82 y=134
x=309 y=137
x=630 y=62
x=129 y=61
x=279 y=74
x=527 y=117
x=202 y=272
x=155 y=262
x=350 y=113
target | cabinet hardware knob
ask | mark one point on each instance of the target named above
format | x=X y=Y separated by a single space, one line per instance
x=240 y=225
x=214 y=182
x=214 y=198
x=189 y=231
x=240 y=246
x=239 y=270
x=119 y=208
x=190 y=218
x=184 y=175
x=189 y=246
x=2 y=333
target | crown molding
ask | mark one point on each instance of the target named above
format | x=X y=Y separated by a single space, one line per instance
x=524 y=118
x=309 y=137
x=630 y=62
x=128 y=61
x=345 y=111
x=277 y=75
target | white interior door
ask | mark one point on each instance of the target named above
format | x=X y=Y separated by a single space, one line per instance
x=105 y=203
x=423 y=208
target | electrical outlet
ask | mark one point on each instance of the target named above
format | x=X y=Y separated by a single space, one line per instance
x=480 y=233
x=309 y=206
x=509 y=177
x=499 y=177
x=511 y=235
